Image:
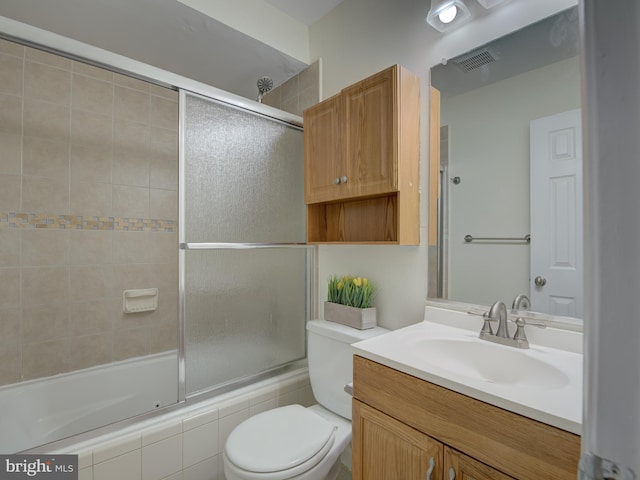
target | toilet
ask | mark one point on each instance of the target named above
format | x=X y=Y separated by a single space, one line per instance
x=295 y=442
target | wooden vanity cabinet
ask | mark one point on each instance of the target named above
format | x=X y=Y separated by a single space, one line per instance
x=361 y=158
x=400 y=422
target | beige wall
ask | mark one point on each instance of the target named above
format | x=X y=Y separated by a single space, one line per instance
x=88 y=208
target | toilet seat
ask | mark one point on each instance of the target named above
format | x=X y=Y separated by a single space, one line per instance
x=279 y=443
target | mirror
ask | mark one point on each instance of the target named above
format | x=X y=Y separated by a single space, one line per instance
x=505 y=168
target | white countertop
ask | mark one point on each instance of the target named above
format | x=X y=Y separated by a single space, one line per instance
x=556 y=402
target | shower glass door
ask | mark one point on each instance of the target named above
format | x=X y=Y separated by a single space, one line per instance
x=245 y=269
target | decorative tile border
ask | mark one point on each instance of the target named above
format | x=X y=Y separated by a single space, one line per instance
x=88 y=222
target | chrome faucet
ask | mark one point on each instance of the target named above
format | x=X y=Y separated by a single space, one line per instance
x=521 y=302
x=498 y=313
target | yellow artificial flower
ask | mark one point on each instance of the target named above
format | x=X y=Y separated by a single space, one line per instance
x=357 y=281
x=339 y=285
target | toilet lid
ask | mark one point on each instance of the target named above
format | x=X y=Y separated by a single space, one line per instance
x=278 y=439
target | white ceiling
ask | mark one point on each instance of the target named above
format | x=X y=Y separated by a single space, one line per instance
x=305 y=11
x=172 y=36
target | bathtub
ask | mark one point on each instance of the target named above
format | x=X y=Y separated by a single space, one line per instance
x=37 y=412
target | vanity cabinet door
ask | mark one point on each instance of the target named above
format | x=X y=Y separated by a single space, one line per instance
x=458 y=466
x=385 y=449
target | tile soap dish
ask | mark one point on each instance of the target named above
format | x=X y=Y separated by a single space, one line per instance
x=141 y=300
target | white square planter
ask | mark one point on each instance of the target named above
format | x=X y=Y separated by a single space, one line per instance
x=360 y=318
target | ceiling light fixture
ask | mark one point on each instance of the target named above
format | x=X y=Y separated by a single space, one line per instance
x=447 y=14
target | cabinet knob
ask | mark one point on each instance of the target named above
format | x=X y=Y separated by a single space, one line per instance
x=343 y=179
x=336 y=180
x=432 y=465
x=452 y=474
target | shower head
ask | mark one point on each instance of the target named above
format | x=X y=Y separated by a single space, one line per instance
x=264 y=85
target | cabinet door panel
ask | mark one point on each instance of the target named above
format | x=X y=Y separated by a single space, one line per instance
x=322 y=151
x=369 y=134
x=385 y=449
x=466 y=468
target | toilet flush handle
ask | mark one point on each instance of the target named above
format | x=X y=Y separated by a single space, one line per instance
x=349 y=388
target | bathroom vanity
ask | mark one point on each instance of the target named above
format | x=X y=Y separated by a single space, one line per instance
x=412 y=419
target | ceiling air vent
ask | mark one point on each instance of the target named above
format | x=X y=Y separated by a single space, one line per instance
x=475 y=59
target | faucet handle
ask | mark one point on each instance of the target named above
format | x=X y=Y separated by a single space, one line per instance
x=520 y=336
x=486 y=326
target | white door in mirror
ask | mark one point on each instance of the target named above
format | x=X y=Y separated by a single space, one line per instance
x=556 y=215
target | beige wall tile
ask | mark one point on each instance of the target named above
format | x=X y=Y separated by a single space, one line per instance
x=11 y=48
x=130 y=201
x=128 y=277
x=45 y=157
x=10 y=364
x=46 y=120
x=165 y=276
x=88 y=283
x=164 y=92
x=131 y=105
x=44 y=359
x=47 y=58
x=92 y=94
x=90 y=198
x=9 y=327
x=290 y=89
x=91 y=163
x=292 y=105
x=163 y=204
x=45 y=247
x=44 y=286
x=163 y=247
x=10 y=190
x=131 y=247
x=163 y=159
x=163 y=338
x=9 y=288
x=91 y=71
x=167 y=312
x=132 y=144
x=9 y=247
x=43 y=82
x=130 y=343
x=90 y=247
x=10 y=153
x=163 y=171
x=44 y=323
x=45 y=195
x=89 y=128
x=91 y=317
x=308 y=98
x=10 y=114
x=132 y=83
x=90 y=350
x=310 y=77
x=164 y=113
x=10 y=74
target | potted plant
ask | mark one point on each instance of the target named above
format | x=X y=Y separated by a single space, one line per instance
x=350 y=302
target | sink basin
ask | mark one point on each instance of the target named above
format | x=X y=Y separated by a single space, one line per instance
x=477 y=359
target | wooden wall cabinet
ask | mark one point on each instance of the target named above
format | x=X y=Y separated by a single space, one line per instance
x=362 y=157
x=405 y=428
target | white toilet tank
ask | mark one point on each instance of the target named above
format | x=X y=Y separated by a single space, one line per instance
x=331 y=362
